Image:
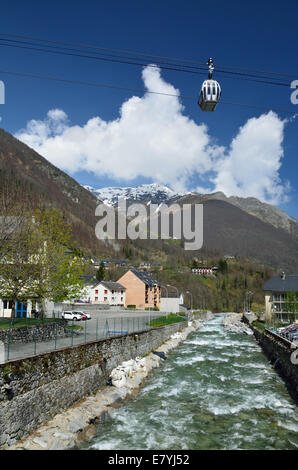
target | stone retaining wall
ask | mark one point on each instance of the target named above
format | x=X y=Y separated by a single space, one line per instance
x=40 y=332
x=279 y=355
x=35 y=389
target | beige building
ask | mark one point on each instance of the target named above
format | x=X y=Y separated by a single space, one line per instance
x=141 y=289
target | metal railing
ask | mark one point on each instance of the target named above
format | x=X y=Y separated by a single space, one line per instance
x=26 y=337
x=278 y=337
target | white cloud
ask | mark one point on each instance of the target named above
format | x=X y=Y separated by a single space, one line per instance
x=251 y=166
x=153 y=138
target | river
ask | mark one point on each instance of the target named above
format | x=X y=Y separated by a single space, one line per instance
x=215 y=391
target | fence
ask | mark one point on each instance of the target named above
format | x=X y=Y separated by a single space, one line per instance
x=24 y=337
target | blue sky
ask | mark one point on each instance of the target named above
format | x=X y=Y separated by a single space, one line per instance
x=258 y=35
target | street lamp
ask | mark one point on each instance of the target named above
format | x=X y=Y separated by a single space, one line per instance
x=164 y=287
x=174 y=287
x=249 y=302
x=188 y=292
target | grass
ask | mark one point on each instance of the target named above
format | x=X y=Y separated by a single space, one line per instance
x=6 y=323
x=259 y=325
x=75 y=327
x=167 y=320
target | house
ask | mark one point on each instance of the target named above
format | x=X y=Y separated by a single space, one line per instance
x=281 y=297
x=106 y=263
x=144 y=266
x=172 y=303
x=22 y=309
x=204 y=270
x=110 y=263
x=26 y=309
x=121 y=263
x=142 y=290
x=105 y=292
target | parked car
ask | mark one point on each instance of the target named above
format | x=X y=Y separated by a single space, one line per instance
x=282 y=329
x=291 y=331
x=71 y=316
x=84 y=315
x=293 y=335
x=286 y=329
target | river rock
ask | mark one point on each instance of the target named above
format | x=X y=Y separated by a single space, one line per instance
x=233 y=323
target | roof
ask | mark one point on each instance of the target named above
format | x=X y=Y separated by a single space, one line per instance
x=145 y=277
x=112 y=285
x=278 y=284
x=88 y=279
x=204 y=267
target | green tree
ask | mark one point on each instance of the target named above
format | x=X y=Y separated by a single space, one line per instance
x=40 y=260
x=101 y=273
x=60 y=263
x=18 y=269
x=291 y=304
x=222 y=266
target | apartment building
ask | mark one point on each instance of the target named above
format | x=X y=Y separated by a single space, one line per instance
x=281 y=297
x=142 y=290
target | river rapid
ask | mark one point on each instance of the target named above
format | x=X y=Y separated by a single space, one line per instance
x=216 y=391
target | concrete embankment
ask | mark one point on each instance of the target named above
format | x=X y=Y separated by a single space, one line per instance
x=80 y=396
x=283 y=358
x=279 y=352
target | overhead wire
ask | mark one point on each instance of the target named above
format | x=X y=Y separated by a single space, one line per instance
x=143 y=54
x=65 y=50
x=136 y=61
x=136 y=90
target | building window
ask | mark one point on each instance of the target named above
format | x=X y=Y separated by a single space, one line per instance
x=96 y=298
x=105 y=299
x=96 y=291
x=7 y=304
x=105 y=291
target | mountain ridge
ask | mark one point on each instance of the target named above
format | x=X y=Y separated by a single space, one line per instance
x=227 y=228
x=157 y=193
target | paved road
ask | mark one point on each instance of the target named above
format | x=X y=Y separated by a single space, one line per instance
x=103 y=324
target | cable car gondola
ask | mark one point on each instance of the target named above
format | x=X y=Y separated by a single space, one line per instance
x=210 y=92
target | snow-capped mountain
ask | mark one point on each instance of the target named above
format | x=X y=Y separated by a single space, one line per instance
x=157 y=193
x=154 y=193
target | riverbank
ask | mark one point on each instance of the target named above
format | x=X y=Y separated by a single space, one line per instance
x=216 y=391
x=78 y=424
x=282 y=357
x=234 y=324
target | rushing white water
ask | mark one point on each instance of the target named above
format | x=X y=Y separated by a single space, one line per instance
x=215 y=391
